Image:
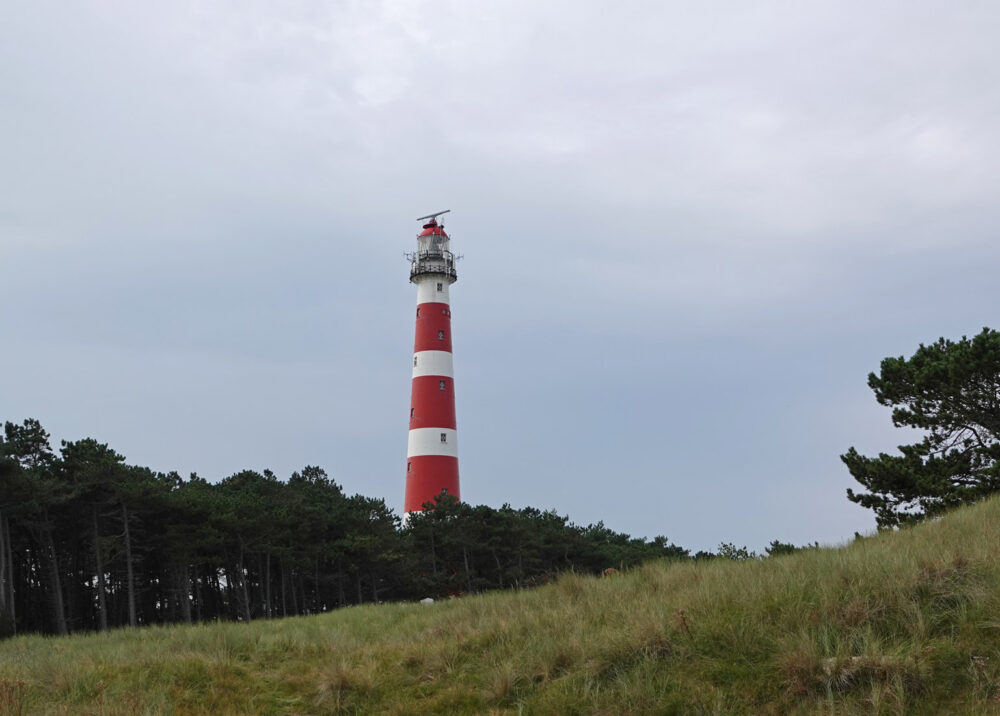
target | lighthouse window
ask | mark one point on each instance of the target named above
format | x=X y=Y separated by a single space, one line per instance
x=440 y=335
x=441 y=384
x=409 y=466
x=440 y=287
x=418 y=313
x=444 y=437
x=411 y=412
x=414 y=361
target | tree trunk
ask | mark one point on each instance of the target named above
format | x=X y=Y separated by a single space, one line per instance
x=199 y=613
x=102 y=604
x=231 y=613
x=3 y=565
x=69 y=581
x=11 y=605
x=499 y=568
x=245 y=595
x=317 y=603
x=55 y=584
x=267 y=572
x=129 y=575
x=215 y=589
x=260 y=584
x=361 y=599
x=209 y=598
x=342 y=599
x=168 y=597
x=237 y=593
x=468 y=576
x=303 y=602
x=184 y=593
x=284 y=591
x=371 y=575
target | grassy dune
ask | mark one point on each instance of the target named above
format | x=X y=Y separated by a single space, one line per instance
x=907 y=622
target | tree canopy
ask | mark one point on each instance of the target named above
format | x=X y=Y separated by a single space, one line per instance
x=950 y=390
x=90 y=542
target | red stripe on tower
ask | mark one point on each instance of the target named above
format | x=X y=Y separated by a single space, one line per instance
x=432 y=450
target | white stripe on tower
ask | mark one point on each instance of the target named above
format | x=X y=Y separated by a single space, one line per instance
x=432 y=363
x=432 y=441
x=430 y=290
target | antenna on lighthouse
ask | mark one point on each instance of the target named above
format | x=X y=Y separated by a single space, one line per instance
x=432 y=217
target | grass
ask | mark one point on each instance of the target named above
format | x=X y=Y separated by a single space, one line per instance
x=907 y=622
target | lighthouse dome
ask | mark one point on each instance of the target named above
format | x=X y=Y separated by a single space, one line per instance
x=433 y=228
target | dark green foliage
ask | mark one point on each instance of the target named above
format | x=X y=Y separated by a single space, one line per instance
x=89 y=542
x=458 y=548
x=777 y=549
x=728 y=550
x=951 y=391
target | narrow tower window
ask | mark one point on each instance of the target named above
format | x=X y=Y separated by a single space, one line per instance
x=409 y=466
x=414 y=361
x=440 y=287
x=411 y=412
x=444 y=437
x=440 y=335
x=441 y=384
x=418 y=312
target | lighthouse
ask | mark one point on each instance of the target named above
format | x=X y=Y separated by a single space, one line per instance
x=432 y=448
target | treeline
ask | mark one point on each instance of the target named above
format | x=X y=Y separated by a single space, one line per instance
x=88 y=542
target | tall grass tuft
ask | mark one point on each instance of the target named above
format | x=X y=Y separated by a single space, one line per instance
x=11 y=697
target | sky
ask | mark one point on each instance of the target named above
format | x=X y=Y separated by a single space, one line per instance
x=690 y=232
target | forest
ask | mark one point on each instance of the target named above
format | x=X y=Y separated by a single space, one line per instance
x=89 y=542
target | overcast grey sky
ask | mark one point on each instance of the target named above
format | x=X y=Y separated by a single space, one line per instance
x=690 y=232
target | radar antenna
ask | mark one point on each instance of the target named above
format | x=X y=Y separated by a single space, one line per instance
x=433 y=217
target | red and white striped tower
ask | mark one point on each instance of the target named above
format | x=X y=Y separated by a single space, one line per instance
x=432 y=450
